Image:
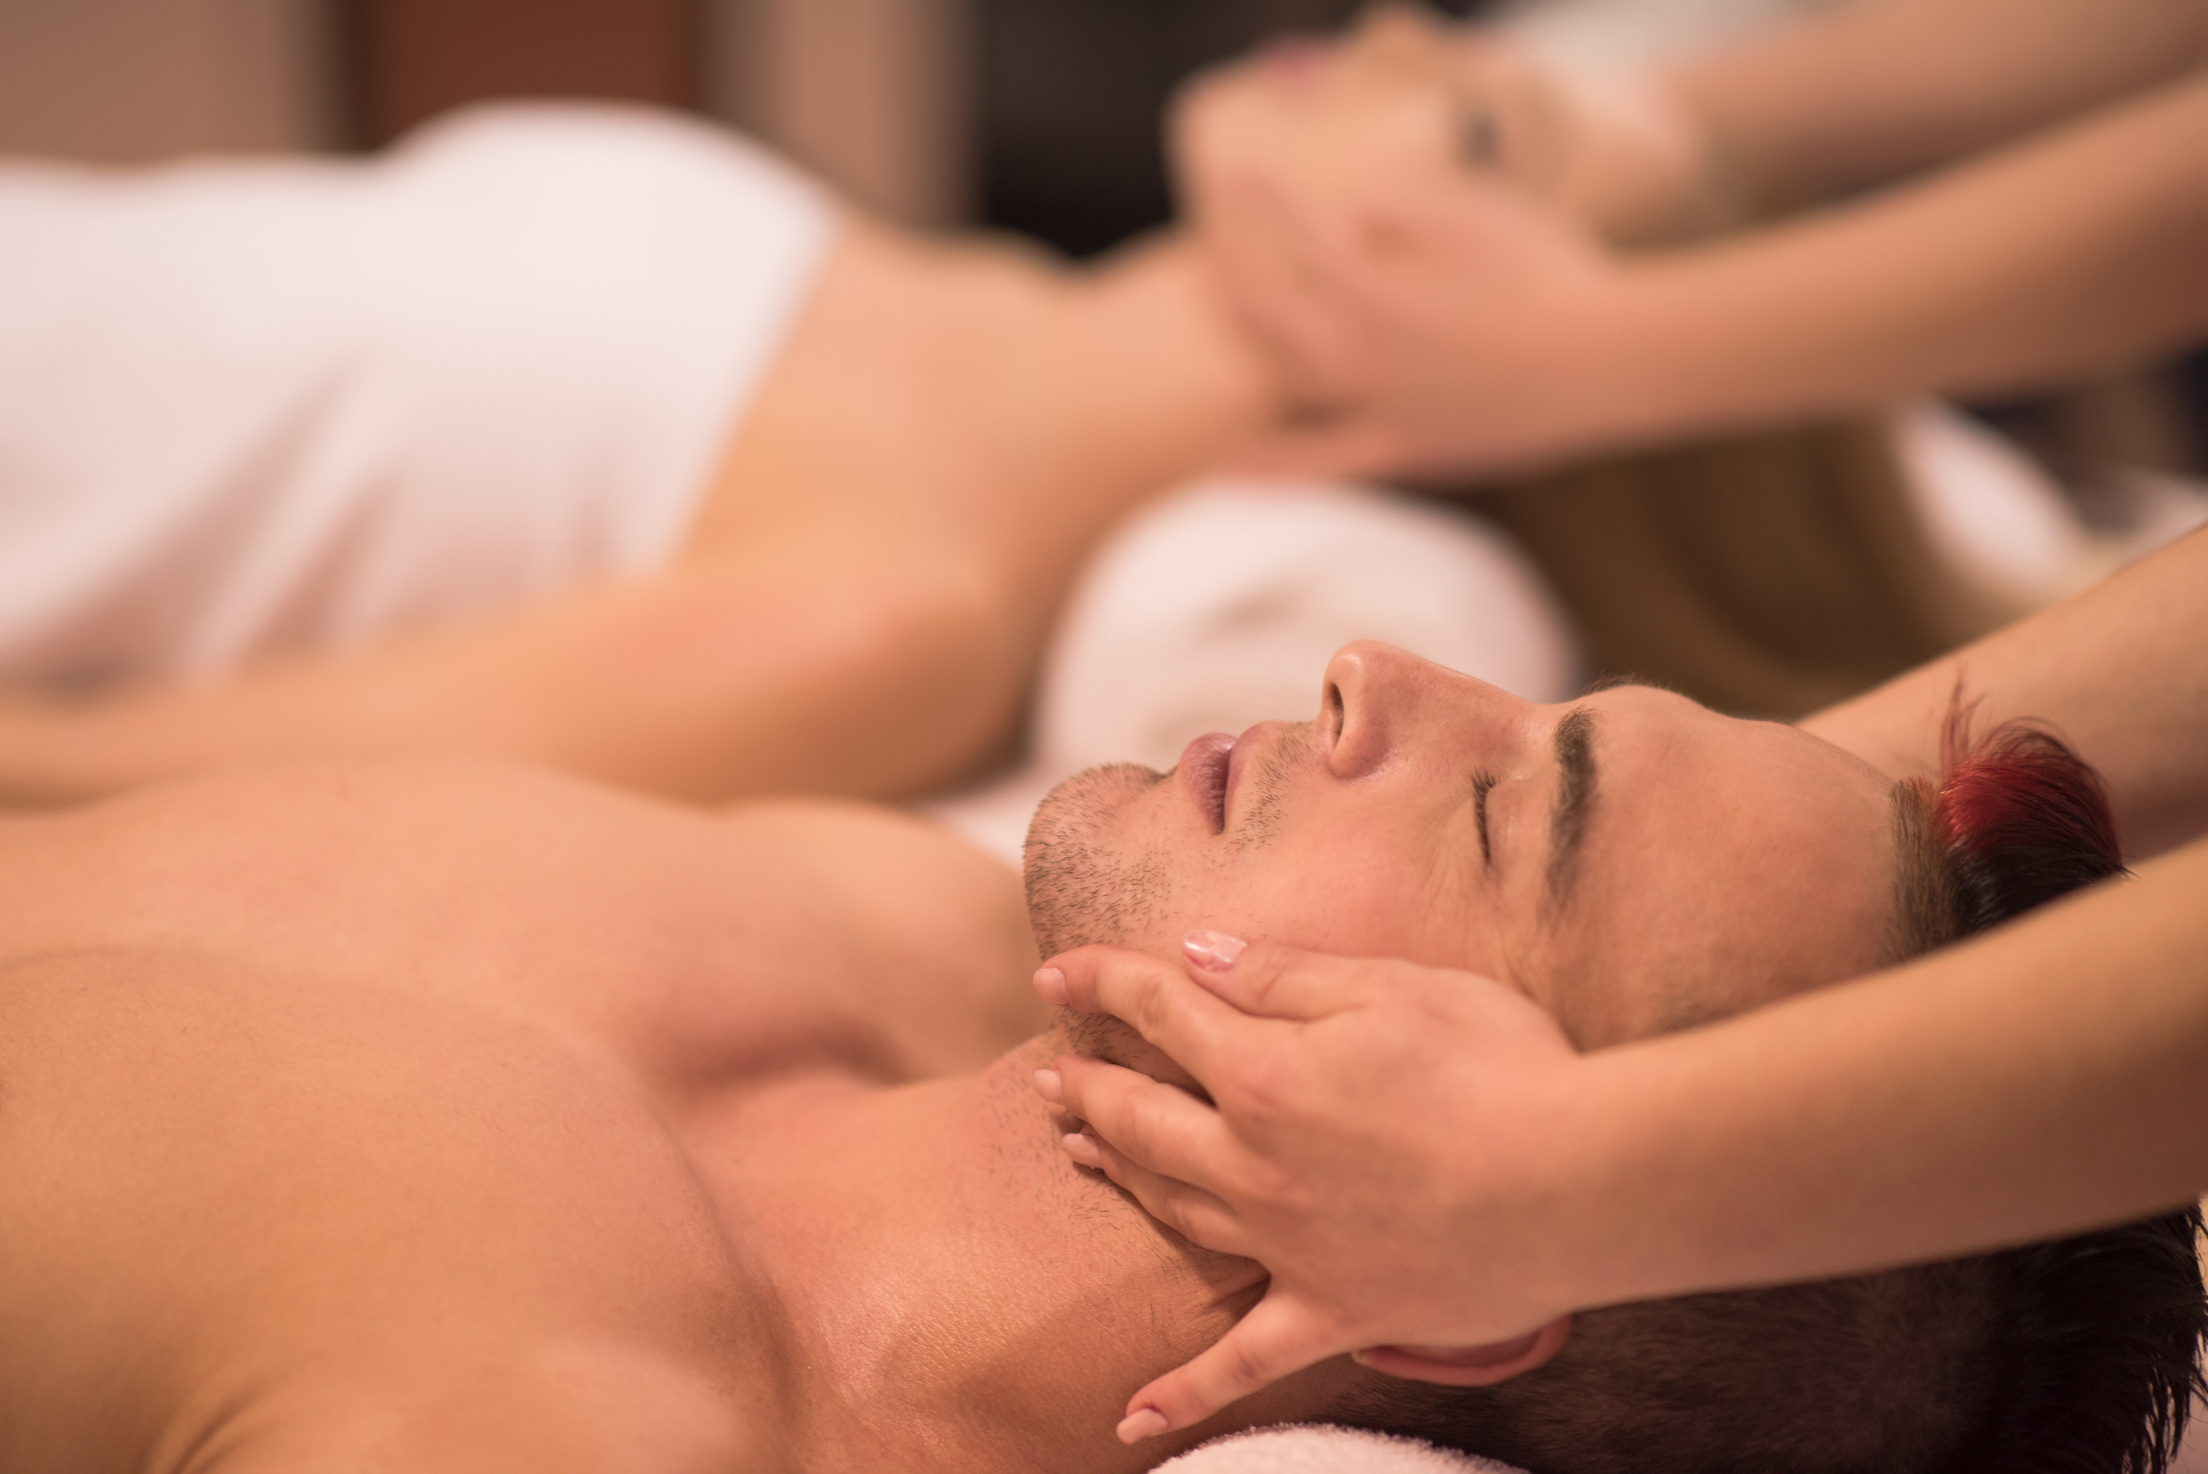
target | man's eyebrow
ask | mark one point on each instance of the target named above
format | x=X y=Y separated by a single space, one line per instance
x=1575 y=798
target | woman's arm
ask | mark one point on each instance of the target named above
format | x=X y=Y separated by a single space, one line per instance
x=864 y=594
x=2115 y=670
x=1445 y=1171
x=785 y=667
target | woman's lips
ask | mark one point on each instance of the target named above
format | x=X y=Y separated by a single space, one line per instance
x=1203 y=774
x=1293 y=61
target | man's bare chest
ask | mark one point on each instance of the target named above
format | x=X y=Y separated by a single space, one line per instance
x=251 y=1205
x=699 y=949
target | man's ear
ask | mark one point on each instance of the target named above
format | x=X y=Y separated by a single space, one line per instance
x=1471 y=1366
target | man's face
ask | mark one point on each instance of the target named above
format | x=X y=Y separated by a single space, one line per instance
x=1631 y=861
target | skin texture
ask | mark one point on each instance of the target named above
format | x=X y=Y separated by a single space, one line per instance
x=1714 y=851
x=1719 y=865
x=1361 y=1121
x=1433 y=317
x=445 y=1116
x=2111 y=670
x=850 y=614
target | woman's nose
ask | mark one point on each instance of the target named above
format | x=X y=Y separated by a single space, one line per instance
x=1390 y=29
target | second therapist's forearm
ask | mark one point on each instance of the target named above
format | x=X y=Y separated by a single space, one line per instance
x=2074 y=252
x=2116 y=671
x=2045 y=1079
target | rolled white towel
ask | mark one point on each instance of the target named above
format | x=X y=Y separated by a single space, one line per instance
x=1321 y=1448
x=1220 y=606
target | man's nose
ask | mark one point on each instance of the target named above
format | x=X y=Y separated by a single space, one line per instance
x=1379 y=701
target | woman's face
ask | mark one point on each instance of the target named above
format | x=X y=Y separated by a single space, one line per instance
x=1402 y=92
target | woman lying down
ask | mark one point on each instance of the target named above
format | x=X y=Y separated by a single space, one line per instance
x=578 y=435
x=460 y=1119
x=597 y=438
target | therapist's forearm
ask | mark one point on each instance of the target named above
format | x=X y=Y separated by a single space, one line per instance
x=2046 y=1079
x=2118 y=671
x=1869 y=91
x=2071 y=253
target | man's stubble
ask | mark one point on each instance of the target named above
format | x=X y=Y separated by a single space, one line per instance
x=1081 y=887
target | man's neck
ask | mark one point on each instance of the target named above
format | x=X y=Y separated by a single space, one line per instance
x=957 y=1294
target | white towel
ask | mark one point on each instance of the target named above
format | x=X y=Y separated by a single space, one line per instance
x=281 y=404
x=1220 y=606
x=1321 y=1448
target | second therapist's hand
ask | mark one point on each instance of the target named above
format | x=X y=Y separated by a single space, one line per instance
x=1412 y=228
x=1456 y=327
x=1380 y=1136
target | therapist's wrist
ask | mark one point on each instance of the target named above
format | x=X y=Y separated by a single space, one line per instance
x=1614 y=1204
x=1551 y=1190
x=1693 y=348
x=1658 y=176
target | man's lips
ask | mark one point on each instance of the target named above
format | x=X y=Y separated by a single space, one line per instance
x=1205 y=764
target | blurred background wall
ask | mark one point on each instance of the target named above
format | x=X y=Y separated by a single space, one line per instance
x=1037 y=115
x=126 y=81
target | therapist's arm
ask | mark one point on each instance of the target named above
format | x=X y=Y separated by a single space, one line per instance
x=2119 y=671
x=1847 y=98
x=1861 y=93
x=1446 y=1172
x=1433 y=321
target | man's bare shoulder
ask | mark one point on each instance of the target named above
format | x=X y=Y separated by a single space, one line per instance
x=696 y=942
x=249 y=1209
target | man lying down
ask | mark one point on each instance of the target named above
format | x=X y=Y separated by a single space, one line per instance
x=441 y=1117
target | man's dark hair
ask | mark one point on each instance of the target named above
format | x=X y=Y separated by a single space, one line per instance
x=2080 y=1356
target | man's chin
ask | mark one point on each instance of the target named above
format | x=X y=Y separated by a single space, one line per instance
x=1087 y=879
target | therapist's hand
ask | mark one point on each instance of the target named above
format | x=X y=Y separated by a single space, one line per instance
x=1409 y=219
x=1384 y=1138
x=1455 y=327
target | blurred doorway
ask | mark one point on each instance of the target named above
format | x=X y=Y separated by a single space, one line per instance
x=1071 y=94
x=405 y=61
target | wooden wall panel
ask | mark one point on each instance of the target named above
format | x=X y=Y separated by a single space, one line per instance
x=135 y=81
x=409 y=60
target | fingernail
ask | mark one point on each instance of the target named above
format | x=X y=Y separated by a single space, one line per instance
x=1051 y=983
x=1213 y=951
x=1050 y=1086
x=1082 y=1149
x=1136 y=1426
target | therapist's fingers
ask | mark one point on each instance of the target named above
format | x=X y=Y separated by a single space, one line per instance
x=1156 y=997
x=1280 y=1337
x=1277 y=266
x=1267 y=980
x=1159 y=1127
x=1192 y=1213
